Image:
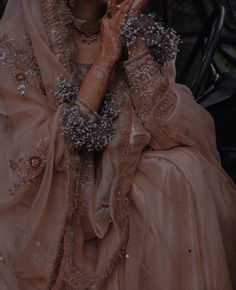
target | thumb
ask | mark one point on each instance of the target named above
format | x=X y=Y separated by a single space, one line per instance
x=111 y=6
x=105 y=23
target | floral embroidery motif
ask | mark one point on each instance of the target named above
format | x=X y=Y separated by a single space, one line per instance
x=35 y=162
x=20 y=57
x=28 y=167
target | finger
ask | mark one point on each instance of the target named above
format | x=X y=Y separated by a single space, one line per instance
x=122 y=13
x=106 y=26
x=121 y=7
x=111 y=6
x=139 y=6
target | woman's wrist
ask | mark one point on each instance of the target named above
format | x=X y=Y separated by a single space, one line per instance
x=104 y=63
x=106 y=59
x=95 y=83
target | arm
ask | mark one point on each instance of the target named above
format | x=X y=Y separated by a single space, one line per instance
x=166 y=109
x=95 y=84
x=82 y=126
x=149 y=83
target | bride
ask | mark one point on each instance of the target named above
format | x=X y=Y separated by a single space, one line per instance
x=110 y=175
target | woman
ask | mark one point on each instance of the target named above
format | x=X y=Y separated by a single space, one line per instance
x=110 y=176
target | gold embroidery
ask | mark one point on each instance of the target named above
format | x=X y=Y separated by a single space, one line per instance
x=151 y=89
x=56 y=22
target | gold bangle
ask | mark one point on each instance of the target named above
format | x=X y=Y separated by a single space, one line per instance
x=86 y=110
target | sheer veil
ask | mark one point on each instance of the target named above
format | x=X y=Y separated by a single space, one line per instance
x=51 y=204
x=36 y=49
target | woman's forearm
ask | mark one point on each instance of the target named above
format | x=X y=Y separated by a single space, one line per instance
x=95 y=84
x=96 y=81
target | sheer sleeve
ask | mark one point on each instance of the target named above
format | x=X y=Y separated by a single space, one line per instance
x=167 y=109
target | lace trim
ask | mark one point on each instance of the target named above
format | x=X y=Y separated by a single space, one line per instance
x=57 y=24
x=77 y=277
x=20 y=57
x=73 y=169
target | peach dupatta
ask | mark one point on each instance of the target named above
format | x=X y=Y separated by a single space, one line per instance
x=41 y=183
x=49 y=238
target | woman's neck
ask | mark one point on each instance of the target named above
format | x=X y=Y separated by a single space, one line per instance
x=89 y=10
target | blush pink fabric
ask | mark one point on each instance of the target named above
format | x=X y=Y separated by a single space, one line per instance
x=182 y=225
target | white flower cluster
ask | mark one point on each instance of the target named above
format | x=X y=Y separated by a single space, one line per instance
x=86 y=133
x=162 y=40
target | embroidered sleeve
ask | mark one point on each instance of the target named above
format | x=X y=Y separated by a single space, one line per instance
x=89 y=131
x=150 y=87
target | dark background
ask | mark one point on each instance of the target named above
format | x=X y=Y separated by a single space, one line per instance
x=190 y=19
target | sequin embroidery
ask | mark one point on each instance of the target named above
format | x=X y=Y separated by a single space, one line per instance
x=20 y=58
x=27 y=167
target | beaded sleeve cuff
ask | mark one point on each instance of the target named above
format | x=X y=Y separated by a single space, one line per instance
x=91 y=132
x=65 y=91
x=161 y=39
x=84 y=128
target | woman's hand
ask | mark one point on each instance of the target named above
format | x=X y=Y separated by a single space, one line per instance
x=111 y=42
x=138 y=5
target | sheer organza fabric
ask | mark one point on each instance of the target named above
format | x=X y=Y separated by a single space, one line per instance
x=172 y=209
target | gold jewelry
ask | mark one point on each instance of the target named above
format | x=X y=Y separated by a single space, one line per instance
x=85 y=109
x=88 y=30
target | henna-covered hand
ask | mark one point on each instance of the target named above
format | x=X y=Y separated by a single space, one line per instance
x=95 y=84
x=111 y=42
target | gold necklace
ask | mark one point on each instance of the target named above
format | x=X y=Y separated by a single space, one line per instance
x=88 y=30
